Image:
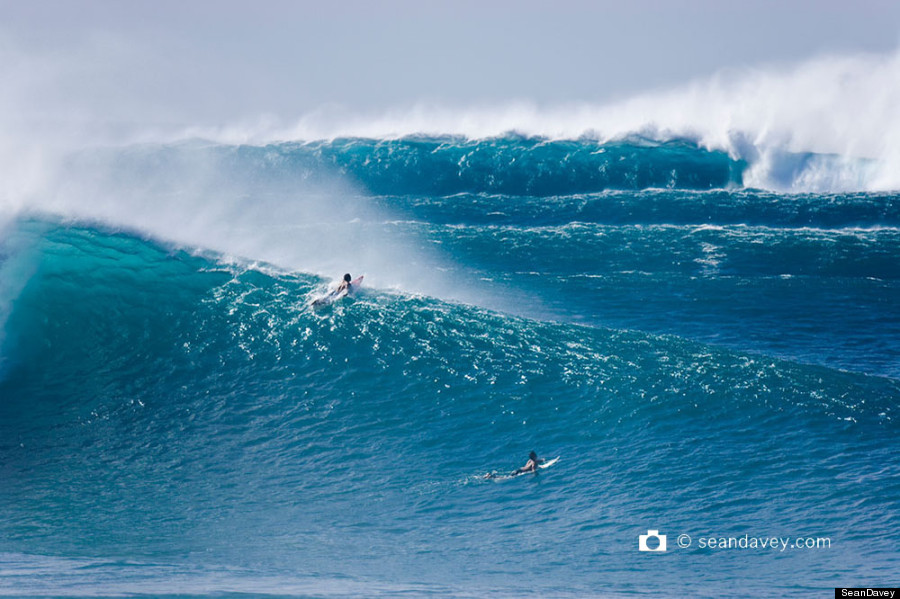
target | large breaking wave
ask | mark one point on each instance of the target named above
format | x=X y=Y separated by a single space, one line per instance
x=202 y=420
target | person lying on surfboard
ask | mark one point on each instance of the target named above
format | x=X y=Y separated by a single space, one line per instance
x=344 y=285
x=531 y=466
x=533 y=463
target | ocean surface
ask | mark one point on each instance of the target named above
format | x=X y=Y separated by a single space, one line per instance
x=706 y=357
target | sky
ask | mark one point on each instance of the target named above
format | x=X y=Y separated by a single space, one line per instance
x=214 y=62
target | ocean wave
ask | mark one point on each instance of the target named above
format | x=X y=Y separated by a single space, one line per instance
x=215 y=399
x=510 y=164
x=440 y=166
x=822 y=125
x=182 y=308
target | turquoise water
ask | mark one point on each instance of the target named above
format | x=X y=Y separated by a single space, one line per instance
x=706 y=359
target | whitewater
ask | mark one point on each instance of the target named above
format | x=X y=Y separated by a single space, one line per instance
x=692 y=297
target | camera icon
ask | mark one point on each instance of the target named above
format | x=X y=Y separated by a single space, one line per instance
x=659 y=545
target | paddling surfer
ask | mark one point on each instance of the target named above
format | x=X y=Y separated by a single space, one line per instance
x=531 y=466
x=343 y=288
x=344 y=285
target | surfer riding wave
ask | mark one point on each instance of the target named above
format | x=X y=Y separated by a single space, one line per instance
x=347 y=286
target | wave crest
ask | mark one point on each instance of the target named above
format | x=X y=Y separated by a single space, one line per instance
x=826 y=124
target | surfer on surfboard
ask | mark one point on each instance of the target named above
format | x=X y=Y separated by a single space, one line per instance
x=531 y=466
x=345 y=284
x=344 y=288
x=534 y=462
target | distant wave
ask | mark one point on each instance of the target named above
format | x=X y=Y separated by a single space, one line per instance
x=828 y=124
x=521 y=166
x=509 y=164
x=440 y=166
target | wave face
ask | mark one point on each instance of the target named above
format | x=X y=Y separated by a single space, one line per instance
x=519 y=166
x=174 y=420
x=508 y=164
x=512 y=165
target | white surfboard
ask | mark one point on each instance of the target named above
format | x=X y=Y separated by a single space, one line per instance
x=549 y=463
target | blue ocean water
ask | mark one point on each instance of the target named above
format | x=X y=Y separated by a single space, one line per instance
x=706 y=359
